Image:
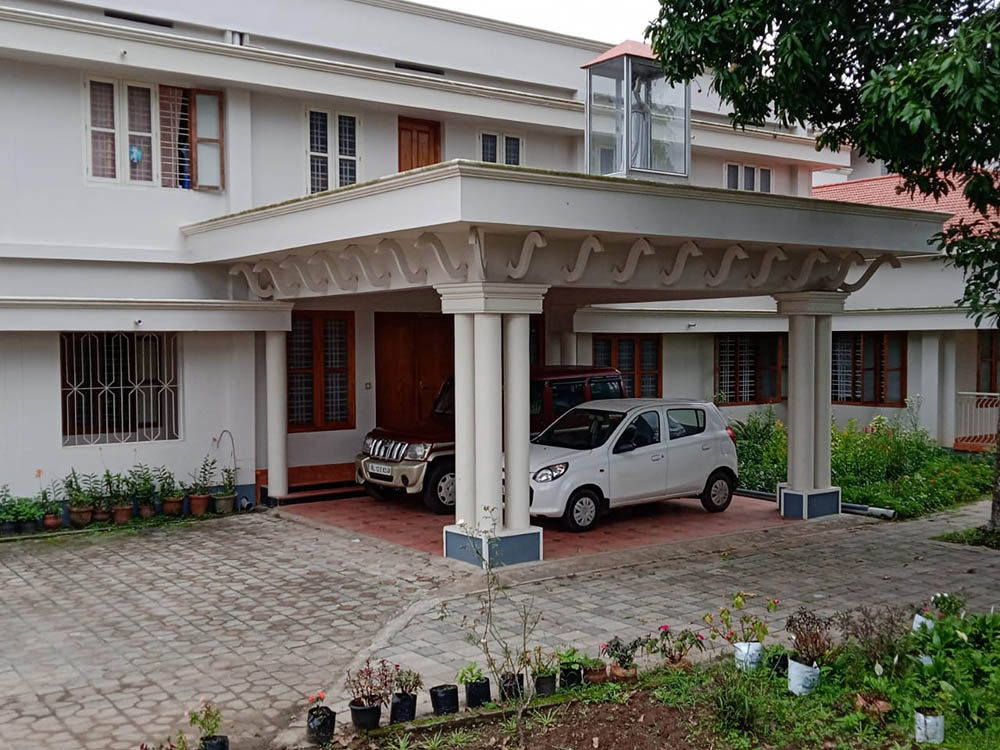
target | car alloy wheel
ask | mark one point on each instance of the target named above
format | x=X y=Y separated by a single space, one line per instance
x=584 y=511
x=719 y=493
x=446 y=489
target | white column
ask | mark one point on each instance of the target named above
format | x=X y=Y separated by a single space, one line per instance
x=489 y=420
x=947 y=395
x=517 y=421
x=277 y=413
x=567 y=348
x=823 y=395
x=465 y=421
x=801 y=397
x=929 y=385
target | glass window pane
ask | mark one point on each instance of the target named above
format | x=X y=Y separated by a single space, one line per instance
x=647 y=429
x=657 y=125
x=601 y=388
x=894 y=387
x=140 y=116
x=648 y=385
x=765 y=180
x=348 y=171
x=895 y=354
x=602 y=352
x=207 y=107
x=650 y=354
x=489 y=148
x=512 y=151
x=319 y=173
x=626 y=355
x=102 y=105
x=102 y=153
x=300 y=398
x=733 y=176
x=685 y=422
x=335 y=397
x=334 y=344
x=347 y=129
x=140 y=157
x=749 y=178
x=209 y=165
x=869 y=392
x=300 y=344
x=607 y=117
x=319 y=133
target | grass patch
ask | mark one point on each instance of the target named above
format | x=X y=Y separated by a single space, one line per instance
x=975 y=537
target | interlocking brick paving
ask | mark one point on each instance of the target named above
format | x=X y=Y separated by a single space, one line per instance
x=407 y=522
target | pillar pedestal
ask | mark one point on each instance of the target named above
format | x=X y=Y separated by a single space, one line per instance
x=502 y=547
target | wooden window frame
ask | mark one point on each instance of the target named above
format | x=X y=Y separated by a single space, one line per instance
x=994 y=385
x=639 y=371
x=197 y=139
x=317 y=317
x=778 y=367
x=881 y=369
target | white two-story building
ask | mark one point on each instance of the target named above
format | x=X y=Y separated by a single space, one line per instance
x=287 y=223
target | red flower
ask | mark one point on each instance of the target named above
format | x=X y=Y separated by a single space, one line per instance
x=311 y=699
x=321 y=695
x=664 y=628
x=701 y=637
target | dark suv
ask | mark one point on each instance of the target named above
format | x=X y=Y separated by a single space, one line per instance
x=423 y=463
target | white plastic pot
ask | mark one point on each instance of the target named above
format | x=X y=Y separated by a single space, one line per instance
x=919 y=621
x=802 y=679
x=925 y=659
x=748 y=654
x=929 y=729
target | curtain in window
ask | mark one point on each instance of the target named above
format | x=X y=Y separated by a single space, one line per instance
x=102 y=129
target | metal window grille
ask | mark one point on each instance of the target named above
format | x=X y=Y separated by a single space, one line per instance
x=175 y=137
x=300 y=376
x=319 y=152
x=746 y=389
x=726 y=378
x=843 y=369
x=119 y=387
x=102 y=130
x=347 y=150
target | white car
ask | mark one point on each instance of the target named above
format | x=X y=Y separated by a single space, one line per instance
x=603 y=455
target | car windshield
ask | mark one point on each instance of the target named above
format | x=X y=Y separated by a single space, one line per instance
x=581 y=429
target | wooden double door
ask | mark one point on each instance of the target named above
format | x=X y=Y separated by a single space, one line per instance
x=419 y=143
x=414 y=355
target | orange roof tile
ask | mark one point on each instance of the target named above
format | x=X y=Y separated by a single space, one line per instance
x=628 y=47
x=881 y=191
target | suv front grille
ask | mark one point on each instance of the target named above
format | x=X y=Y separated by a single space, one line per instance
x=388 y=450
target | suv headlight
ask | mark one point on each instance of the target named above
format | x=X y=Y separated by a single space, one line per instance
x=550 y=473
x=417 y=451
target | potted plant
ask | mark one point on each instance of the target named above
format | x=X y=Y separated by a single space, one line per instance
x=320 y=720
x=116 y=486
x=142 y=489
x=171 y=494
x=79 y=498
x=403 y=706
x=226 y=496
x=370 y=688
x=674 y=646
x=932 y=693
x=544 y=668
x=571 y=667
x=622 y=654
x=29 y=514
x=444 y=699
x=208 y=718
x=595 y=671
x=8 y=519
x=477 y=686
x=745 y=633
x=200 y=482
x=812 y=646
x=51 y=506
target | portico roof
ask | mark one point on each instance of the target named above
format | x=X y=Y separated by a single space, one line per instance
x=469 y=221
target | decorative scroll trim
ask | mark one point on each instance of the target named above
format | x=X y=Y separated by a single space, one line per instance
x=639 y=248
x=892 y=260
x=301 y=267
x=477 y=243
x=394 y=251
x=799 y=281
x=274 y=270
x=733 y=253
x=846 y=261
x=591 y=244
x=772 y=255
x=532 y=242
x=686 y=251
x=430 y=241
x=372 y=276
x=253 y=280
x=329 y=261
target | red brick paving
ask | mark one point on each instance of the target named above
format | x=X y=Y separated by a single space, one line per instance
x=408 y=523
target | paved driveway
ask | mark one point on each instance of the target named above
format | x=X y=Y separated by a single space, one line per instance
x=106 y=641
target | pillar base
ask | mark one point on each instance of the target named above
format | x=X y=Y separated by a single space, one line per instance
x=503 y=547
x=808 y=504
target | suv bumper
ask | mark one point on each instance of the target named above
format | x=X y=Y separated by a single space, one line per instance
x=407 y=476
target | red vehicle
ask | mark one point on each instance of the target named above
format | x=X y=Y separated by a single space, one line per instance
x=423 y=462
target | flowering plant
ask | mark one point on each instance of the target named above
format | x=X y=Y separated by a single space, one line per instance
x=207 y=718
x=371 y=686
x=622 y=652
x=674 y=646
x=811 y=636
x=408 y=681
x=947 y=605
x=316 y=699
x=743 y=628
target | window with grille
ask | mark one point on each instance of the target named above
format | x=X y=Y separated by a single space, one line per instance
x=497 y=148
x=988 y=372
x=750 y=368
x=638 y=359
x=165 y=135
x=869 y=369
x=333 y=150
x=321 y=371
x=119 y=387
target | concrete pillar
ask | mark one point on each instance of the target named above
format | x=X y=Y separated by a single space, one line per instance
x=801 y=401
x=823 y=395
x=947 y=396
x=465 y=421
x=567 y=348
x=930 y=365
x=276 y=366
x=517 y=421
x=489 y=420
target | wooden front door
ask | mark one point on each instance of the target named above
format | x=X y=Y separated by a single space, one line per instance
x=419 y=143
x=414 y=354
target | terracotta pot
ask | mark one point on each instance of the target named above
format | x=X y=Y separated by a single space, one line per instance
x=147 y=511
x=123 y=514
x=100 y=514
x=199 y=504
x=224 y=503
x=80 y=517
x=622 y=674
x=173 y=506
x=682 y=664
x=51 y=521
x=595 y=675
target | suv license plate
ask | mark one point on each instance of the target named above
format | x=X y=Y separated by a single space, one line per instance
x=380 y=470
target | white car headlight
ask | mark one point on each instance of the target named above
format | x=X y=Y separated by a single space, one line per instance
x=369 y=443
x=417 y=451
x=550 y=473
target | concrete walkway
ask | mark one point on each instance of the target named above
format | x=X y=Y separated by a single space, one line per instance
x=108 y=640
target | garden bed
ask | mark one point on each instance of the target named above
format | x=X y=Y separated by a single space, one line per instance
x=975 y=537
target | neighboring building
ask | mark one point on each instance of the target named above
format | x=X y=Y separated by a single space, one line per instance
x=181 y=190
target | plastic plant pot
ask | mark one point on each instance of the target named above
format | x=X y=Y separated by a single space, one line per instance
x=29 y=527
x=545 y=684
x=595 y=675
x=122 y=514
x=403 y=708
x=320 y=723
x=928 y=727
x=444 y=699
x=919 y=621
x=224 y=503
x=173 y=506
x=199 y=504
x=511 y=686
x=365 y=718
x=802 y=679
x=147 y=511
x=51 y=522
x=477 y=693
x=80 y=517
x=215 y=742
x=748 y=654
x=8 y=528
x=570 y=677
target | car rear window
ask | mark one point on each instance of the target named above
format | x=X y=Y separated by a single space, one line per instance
x=566 y=394
x=685 y=422
x=608 y=387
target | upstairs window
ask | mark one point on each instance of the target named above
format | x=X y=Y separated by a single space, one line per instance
x=988 y=372
x=869 y=368
x=750 y=368
x=149 y=134
x=501 y=148
x=748 y=177
x=333 y=150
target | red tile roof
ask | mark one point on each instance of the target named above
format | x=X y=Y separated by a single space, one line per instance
x=628 y=47
x=881 y=191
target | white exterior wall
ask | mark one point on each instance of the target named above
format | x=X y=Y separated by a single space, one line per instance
x=216 y=387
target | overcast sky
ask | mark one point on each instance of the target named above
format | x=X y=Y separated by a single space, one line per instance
x=604 y=20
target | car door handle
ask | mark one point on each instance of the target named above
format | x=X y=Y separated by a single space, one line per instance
x=706 y=447
x=656 y=457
